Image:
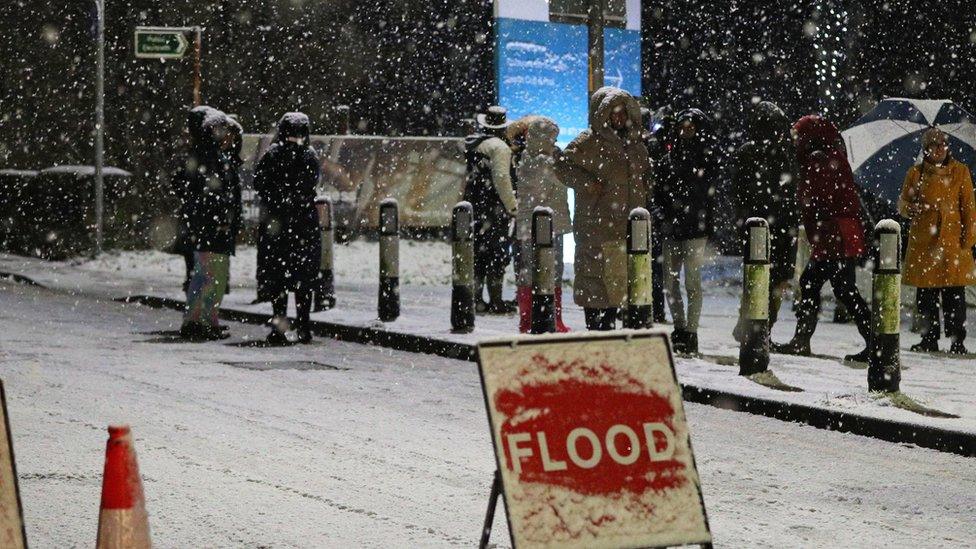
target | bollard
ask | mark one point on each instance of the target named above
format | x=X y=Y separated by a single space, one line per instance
x=754 y=349
x=543 y=272
x=389 y=297
x=462 y=273
x=640 y=300
x=884 y=362
x=325 y=289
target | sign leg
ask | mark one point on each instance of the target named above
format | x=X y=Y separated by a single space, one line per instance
x=496 y=488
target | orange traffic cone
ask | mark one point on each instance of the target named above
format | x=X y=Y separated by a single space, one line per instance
x=122 y=521
x=11 y=515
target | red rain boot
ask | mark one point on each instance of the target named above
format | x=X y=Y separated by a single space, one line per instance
x=560 y=327
x=523 y=295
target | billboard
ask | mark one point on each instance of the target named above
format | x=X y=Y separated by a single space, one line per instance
x=542 y=62
x=425 y=175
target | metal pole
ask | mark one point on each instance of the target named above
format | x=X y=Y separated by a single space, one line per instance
x=543 y=272
x=754 y=349
x=100 y=130
x=462 y=272
x=640 y=298
x=197 y=78
x=595 y=44
x=884 y=362
x=496 y=490
x=325 y=290
x=388 y=305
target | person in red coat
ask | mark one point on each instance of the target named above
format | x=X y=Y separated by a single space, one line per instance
x=830 y=209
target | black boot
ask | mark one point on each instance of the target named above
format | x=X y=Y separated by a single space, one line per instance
x=497 y=305
x=797 y=346
x=861 y=357
x=679 y=341
x=958 y=348
x=927 y=345
x=691 y=343
x=480 y=305
x=303 y=333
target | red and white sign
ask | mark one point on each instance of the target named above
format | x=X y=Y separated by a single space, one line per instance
x=591 y=441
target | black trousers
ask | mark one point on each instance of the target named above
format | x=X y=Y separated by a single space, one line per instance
x=303 y=306
x=657 y=276
x=840 y=274
x=600 y=319
x=953 y=311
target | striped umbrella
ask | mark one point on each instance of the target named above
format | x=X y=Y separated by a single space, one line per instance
x=885 y=142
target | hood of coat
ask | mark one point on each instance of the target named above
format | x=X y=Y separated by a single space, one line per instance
x=540 y=136
x=294 y=124
x=602 y=104
x=767 y=124
x=693 y=147
x=195 y=119
x=815 y=134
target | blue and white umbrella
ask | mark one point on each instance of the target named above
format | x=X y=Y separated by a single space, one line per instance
x=884 y=143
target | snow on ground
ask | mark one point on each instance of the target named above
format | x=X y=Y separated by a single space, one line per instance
x=947 y=384
x=254 y=447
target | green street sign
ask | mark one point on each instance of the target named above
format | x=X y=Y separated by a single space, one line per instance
x=161 y=42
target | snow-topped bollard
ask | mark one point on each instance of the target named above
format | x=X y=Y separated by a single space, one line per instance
x=325 y=288
x=884 y=362
x=343 y=111
x=389 y=296
x=640 y=298
x=462 y=268
x=754 y=349
x=543 y=272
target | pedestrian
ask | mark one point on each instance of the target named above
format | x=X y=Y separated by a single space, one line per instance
x=830 y=209
x=231 y=157
x=488 y=187
x=193 y=144
x=654 y=128
x=937 y=197
x=208 y=214
x=538 y=186
x=684 y=188
x=288 y=234
x=764 y=174
x=606 y=166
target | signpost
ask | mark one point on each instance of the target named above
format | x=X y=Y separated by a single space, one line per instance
x=170 y=43
x=591 y=442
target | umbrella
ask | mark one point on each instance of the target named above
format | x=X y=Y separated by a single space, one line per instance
x=885 y=142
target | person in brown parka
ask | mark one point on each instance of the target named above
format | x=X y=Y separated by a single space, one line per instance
x=606 y=166
x=937 y=197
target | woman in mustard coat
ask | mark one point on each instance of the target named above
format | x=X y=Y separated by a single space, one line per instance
x=938 y=199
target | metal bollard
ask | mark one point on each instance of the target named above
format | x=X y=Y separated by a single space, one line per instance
x=640 y=298
x=754 y=350
x=884 y=362
x=389 y=296
x=543 y=272
x=325 y=289
x=462 y=273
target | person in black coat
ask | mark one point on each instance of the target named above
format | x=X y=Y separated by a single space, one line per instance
x=684 y=188
x=289 y=240
x=207 y=216
x=764 y=176
x=193 y=141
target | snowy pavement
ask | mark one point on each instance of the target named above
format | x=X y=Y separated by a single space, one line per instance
x=946 y=384
x=343 y=445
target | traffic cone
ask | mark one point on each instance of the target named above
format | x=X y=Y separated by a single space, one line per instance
x=122 y=520
x=12 y=532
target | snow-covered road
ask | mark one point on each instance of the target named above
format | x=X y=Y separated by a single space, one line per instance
x=340 y=445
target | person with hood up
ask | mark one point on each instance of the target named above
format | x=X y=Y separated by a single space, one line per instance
x=654 y=128
x=192 y=144
x=685 y=184
x=538 y=186
x=937 y=197
x=606 y=166
x=764 y=175
x=288 y=235
x=208 y=216
x=489 y=189
x=830 y=209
